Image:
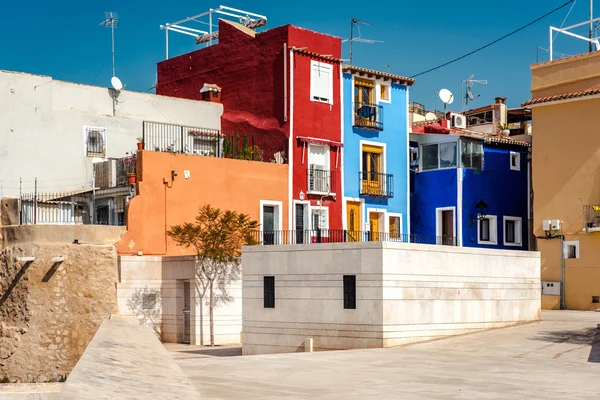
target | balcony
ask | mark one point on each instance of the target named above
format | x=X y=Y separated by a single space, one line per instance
x=321 y=181
x=368 y=116
x=592 y=217
x=376 y=184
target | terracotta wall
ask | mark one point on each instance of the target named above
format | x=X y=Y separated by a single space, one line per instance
x=225 y=183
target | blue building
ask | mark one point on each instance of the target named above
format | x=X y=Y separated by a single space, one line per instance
x=375 y=157
x=470 y=189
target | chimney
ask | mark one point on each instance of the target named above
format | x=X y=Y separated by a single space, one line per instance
x=211 y=93
x=500 y=100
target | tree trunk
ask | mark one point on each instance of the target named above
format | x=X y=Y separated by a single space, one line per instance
x=212 y=319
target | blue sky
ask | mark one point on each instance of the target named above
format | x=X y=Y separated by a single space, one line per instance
x=64 y=40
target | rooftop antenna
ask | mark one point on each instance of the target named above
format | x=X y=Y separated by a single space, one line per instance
x=111 y=19
x=355 y=22
x=446 y=97
x=469 y=95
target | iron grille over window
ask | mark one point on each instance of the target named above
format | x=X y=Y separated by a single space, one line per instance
x=95 y=139
x=269 y=291
x=350 y=292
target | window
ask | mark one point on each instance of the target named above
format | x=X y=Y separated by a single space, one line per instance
x=512 y=231
x=372 y=167
x=321 y=82
x=486 y=117
x=571 y=249
x=205 y=145
x=350 y=292
x=95 y=141
x=318 y=169
x=384 y=92
x=471 y=154
x=515 y=161
x=414 y=156
x=439 y=155
x=269 y=291
x=270 y=218
x=363 y=91
x=487 y=230
x=395 y=227
x=319 y=219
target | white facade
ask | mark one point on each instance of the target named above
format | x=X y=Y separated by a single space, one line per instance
x=404 y=293
x=42 y=128
x=152 y=289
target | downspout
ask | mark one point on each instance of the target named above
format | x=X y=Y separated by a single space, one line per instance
x=291 y=141
x=285 y=82
x=341 y=149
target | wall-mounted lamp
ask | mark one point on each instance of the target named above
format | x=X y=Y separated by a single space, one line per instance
x=482 y=209
x=301 y=195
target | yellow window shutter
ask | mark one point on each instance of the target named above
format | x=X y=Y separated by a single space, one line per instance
x=372 y=149
x=364 y=82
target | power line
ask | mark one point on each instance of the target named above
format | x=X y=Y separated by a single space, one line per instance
x=495 y=41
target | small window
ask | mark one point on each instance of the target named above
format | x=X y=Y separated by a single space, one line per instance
x=269 y=291
x=448 y=155
x=471 y=155
x=385 y=92
x=414 y=156
x=429 y=154
x=321 y=82
x=487 y=230
x=320 y=219
x=595 y=299
x=512 y=231
x=149 y=301
x=395 y=227
x=350 y=292
x=95 y=141
x=515 y=161
x=571 y=249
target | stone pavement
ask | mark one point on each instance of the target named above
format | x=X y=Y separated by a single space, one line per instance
x=557 y=358
x=126 y=361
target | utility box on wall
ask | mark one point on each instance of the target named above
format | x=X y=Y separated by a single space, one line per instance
x=551 y=288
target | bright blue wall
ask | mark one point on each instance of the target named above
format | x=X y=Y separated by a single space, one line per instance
x=394 y=135
x=504 y=190
x=432 y=189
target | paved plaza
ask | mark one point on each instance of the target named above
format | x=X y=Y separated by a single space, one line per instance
x=557 y=358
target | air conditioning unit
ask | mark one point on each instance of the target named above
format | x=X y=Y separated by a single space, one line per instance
x=551 y=225
x=458 y=121
x=551 y=288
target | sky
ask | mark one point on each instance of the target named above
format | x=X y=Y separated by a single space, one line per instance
x=63 y=39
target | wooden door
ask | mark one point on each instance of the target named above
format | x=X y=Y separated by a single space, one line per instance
x=353 y=220
x=448 y=227
x=374 y=225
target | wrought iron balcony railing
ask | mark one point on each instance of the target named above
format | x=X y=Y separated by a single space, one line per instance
x=376 y=184
x=369 y=116
x=592 y=216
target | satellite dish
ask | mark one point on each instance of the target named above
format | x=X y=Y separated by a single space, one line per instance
x=430 y=116
x=470 y=93
x=446 y=96
x=116 y=83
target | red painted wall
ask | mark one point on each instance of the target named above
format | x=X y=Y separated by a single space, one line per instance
x=250 y=71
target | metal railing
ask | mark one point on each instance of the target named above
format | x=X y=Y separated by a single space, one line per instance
x=321 y=181
x=368 y=116
x=344 y=236
x=376 y=184
x=55 y=209
x=157 y=136
x=592 y=216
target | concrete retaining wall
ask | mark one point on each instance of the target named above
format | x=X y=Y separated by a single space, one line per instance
x=405 y=293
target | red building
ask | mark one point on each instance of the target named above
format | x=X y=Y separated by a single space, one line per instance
x=280 y=82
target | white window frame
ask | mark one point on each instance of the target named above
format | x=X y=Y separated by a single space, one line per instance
x=493 y=230
x=518 y=158
x=388 y=216
x=374 y=144
x=439 y=144
x=378 y=97
x=320 y=65
x=327 y=168
x=104 y=134
x=278 y=216
x=518 y=231
x=438 y=221
x=566 y=245
x=325 y=210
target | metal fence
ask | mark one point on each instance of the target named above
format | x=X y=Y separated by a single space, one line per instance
x=592 y=216
x=55 y=209
x=376 y=184
x=344 y=236
x=171 y=138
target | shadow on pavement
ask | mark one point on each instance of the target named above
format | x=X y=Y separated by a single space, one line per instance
x=214 y=351
x=587 y=336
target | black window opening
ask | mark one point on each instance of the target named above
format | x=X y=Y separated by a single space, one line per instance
x=484 y=230
x=350 y=292
x=571 y=251
x=509 y=228
x=269 y=288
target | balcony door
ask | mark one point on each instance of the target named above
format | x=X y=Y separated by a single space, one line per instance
x=268 y=224
x=371 y=169
x=364 y=105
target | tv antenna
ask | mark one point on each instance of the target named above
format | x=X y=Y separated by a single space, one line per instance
x=355 y=22
x=468 y=85
x=111 y=19
x=446 y=97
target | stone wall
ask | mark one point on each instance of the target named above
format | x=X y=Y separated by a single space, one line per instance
x=50 y=309
x=404 y=293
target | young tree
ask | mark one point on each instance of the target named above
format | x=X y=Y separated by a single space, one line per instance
x=217 y=238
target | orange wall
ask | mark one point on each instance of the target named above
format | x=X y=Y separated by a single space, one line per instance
x=225 y=183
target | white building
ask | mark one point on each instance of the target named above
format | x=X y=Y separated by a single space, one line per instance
x=380 y=294
x=54 y=131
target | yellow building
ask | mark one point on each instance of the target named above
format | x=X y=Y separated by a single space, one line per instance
x=566 y=177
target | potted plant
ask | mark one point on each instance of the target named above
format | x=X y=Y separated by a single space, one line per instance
x=504 y=129
x=140 y=143
x=131 y=178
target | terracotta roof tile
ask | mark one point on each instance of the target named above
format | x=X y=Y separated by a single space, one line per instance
x=563 y=96
x=317 y=55
x=489 y=138
x=378 y=74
